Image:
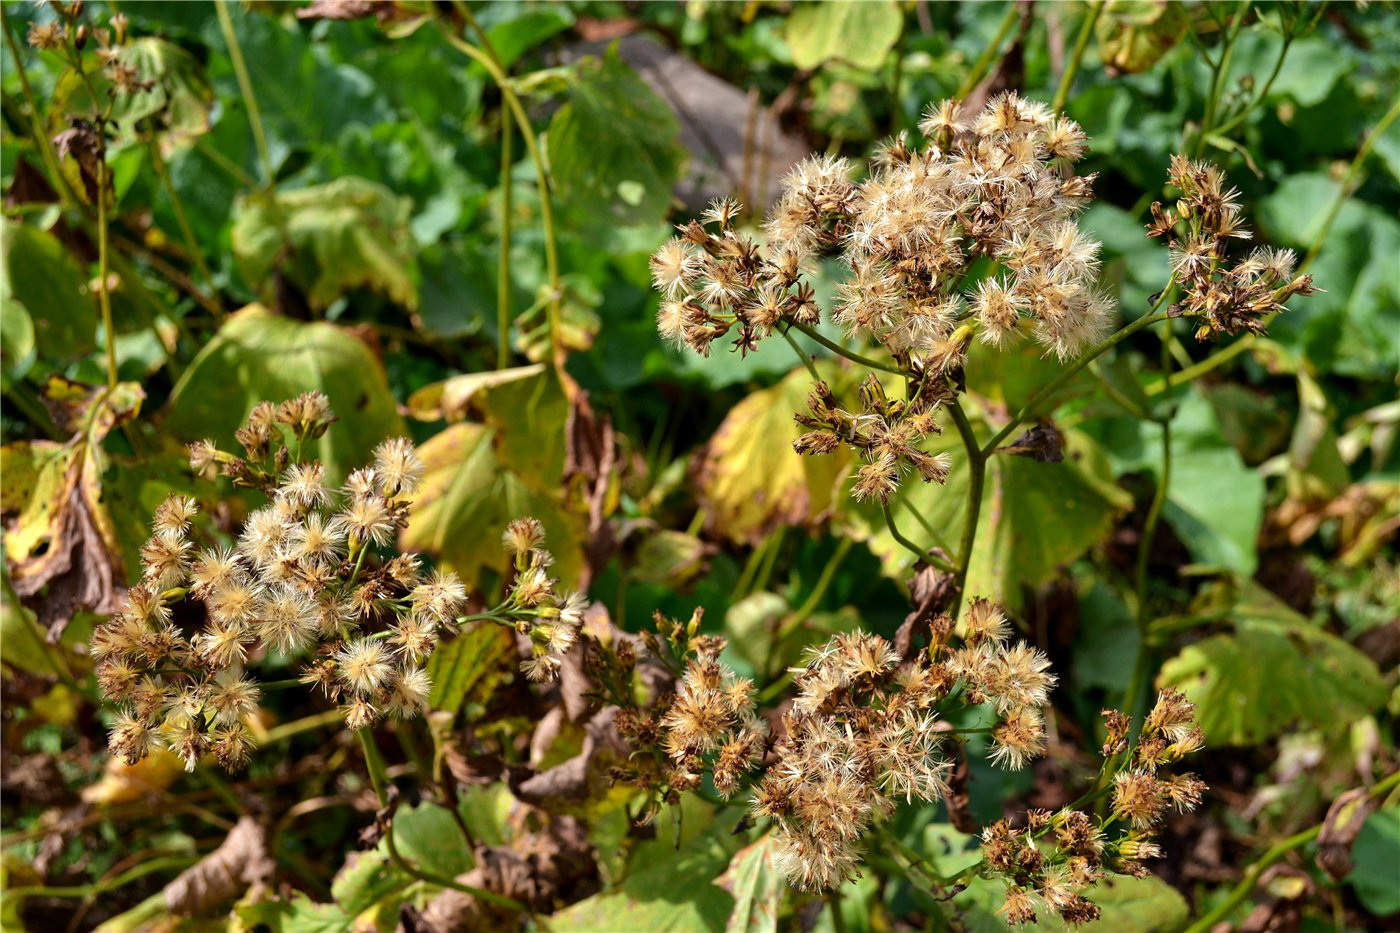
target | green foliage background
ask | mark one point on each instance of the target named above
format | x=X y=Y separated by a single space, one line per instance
x=355 y=251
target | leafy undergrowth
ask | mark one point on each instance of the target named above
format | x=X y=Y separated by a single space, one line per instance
x=439 y=218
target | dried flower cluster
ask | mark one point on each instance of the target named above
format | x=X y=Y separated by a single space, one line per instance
x=886 y=433
x=310 y=574
x=1199 y=227
x=863 y=732
x=1054 y=858
x=970 y=236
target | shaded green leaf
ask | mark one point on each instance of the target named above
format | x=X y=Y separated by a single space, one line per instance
x=40 y=276
x=861 y=34
x=257 y=356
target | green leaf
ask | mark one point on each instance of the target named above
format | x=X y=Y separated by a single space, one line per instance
x=449 y=399
x=752 y=481
x=179 y=100
x=38 y=274
x=1376 y=853
x=611 y=136
x=668 y=557
x=861 y=34
x=466 y=500
x=1035 y=517
x=652 y=901
x=327 y=239
x=428 y=837
x=257 y=356
x=1134 y=34
x=468 y=665
x=1275 y=672
x=1143 y=905
x=370 y=879
x=757 y=885
x=16 y=338
x=298 y=915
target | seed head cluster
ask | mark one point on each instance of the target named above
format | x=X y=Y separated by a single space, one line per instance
x=311 y=578
x=865 y=731
x=971 y=236
x=1054 y=858
x=1206 y=217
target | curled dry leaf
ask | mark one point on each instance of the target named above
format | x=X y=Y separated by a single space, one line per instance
x=240 y=862
x=1339 y=830
x=60 y=541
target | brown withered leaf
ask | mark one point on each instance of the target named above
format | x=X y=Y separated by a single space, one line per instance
x=1339 y=830
x=80 y=149
x=60 y=541
x=930 y=590
x=1044 y=442
x=590 y=458
x=572 y=785
x=241 y=861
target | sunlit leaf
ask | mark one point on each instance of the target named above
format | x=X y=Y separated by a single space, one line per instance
x=757 y=885
x=1135 y=34
x=858 y=33
x=752 y=481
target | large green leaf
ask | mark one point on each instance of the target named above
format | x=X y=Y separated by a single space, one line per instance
x=752 y=481
x=257 y=356
x=667 y=890
x=178 y=100
x=328 y=239
x=613 y=154
x=1035 y=517
x=1376 y=853
x=1142 y=905
x=466 y=500
x=1274 y=672
x=38 y=276
x=859 y=33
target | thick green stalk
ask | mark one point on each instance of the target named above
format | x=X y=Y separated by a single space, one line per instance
x=503 y=272
x=921 y=553
x=977 y=474
x=806 y=360
x=1086 y=30
x=245 y=86
x=487 y=58
x=104 y=298
x=984 y=61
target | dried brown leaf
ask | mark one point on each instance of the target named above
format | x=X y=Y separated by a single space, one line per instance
x=240 y=862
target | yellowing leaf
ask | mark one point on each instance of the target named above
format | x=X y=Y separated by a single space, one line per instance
x=752 y=481
x=1135 y=34
x=1274 y=672
x=757 y=885
x=123 y=783
x=467 y=499
x=258 y=355
x=449 y=399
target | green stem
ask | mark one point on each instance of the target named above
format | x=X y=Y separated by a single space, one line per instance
x=374 y=764
x=487 y=58
x=809 y=605
x=245 y=85
x=924 y=555
x=490 y=897
x=182 y=219
x=842 y=351
x=806 y=360
x=41 y=136
x=977 y=473
x=1218 y=73
x=1152 y=317
x=231 y=168
x=1275 y=852
x=1239 y=118
x=104 y=300
x=101 y=887
x=503 y=272
x=984 y=61
x=1086 y=30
